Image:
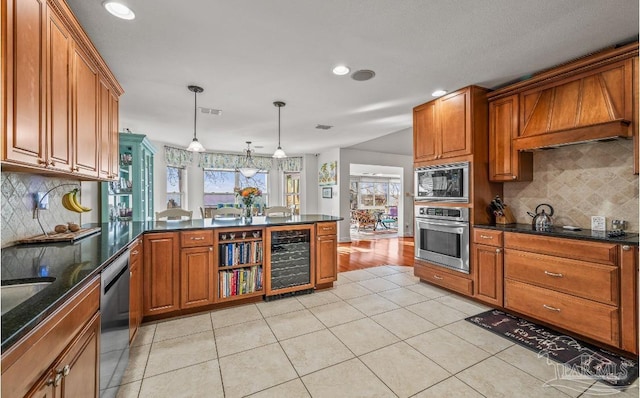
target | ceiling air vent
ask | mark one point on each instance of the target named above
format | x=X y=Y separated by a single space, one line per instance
x=210 y=111
x=362 y=75
x=323 y=127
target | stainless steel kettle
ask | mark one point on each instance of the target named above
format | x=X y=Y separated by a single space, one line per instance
x=541 y=220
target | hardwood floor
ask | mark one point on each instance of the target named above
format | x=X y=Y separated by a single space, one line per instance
x=360 y=254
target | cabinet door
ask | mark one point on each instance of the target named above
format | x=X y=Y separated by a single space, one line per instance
x=488 y=274
x=505 y=162
x=85 y=114
x=25 y=90
x=80 y=365
x=161 y=273
x=104 y=132
x=197 y=277
x=327 y=259
x=58 y=131
x=455 y=124
x=425 y=132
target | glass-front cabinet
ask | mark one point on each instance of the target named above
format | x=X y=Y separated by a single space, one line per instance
x=130 y=197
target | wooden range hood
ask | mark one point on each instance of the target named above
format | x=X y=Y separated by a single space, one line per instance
x=590 y=99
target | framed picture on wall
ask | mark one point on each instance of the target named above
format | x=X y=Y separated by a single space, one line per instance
x=327 y=192
x=328 y=174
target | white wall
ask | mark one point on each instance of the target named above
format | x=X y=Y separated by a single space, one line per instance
x=349 y=156
x=331 y=206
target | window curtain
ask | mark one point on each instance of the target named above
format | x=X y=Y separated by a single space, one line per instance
x=290 y=165
x=230 y=161
x=176 y=157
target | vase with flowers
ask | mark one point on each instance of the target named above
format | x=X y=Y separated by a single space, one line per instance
x=248 y=196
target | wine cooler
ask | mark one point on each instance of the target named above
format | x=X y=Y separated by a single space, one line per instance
x=289 y=261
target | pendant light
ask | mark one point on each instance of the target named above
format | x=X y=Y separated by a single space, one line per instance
x=247 y=168
x=279 y=153
x=195 y=145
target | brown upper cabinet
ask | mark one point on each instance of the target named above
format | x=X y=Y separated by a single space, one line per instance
x=442 y=128
x=505 y=162
x=61 y=98
x=593 y=98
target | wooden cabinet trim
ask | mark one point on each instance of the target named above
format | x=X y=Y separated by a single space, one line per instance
x=629 y=298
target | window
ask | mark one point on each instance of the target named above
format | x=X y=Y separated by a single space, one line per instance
x=174 y=187
x=219 y=186
x=374 y=193
x=292 y=191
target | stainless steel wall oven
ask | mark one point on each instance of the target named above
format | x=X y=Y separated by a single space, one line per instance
x=442 y=236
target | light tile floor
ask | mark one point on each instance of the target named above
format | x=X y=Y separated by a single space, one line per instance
x=378 y=333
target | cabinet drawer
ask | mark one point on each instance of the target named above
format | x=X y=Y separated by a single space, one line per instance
x=580 y=278
x=196 y=238
x=435 y=276
x=487 y=237
x=603 y=253
x=326 y=228
x=585 y=317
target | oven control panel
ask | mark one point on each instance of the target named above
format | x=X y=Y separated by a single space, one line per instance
x=443 y=213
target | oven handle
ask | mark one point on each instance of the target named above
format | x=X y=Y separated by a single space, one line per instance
x=442 y=224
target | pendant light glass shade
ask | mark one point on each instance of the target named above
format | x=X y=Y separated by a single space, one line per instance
x=195 y=145
x=279 y=153
x=247 y=168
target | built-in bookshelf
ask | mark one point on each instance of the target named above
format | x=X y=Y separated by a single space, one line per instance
x=240 y=263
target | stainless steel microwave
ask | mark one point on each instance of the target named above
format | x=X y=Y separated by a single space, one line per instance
x=443 y=183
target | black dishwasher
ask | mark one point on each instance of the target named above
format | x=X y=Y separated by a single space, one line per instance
x=114 y=324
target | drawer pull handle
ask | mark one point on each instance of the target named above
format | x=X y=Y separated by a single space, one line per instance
x=437 y=277
x=555 y=275
x=550 y=308
x=626 y=247
x=486 y=236
x=200 y=238
x=498 y=251
x=327 y=228
x=135 y=252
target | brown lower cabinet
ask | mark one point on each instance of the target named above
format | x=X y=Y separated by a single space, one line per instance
x=161 y=291
x=60 y=357
x=487 y=258
x=326 y=252
x=585 y=287
x=197 y=269
x=440 y=276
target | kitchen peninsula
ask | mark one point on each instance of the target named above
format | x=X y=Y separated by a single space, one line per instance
x=187 y=266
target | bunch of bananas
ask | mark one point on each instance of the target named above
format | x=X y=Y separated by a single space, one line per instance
x=70 y=202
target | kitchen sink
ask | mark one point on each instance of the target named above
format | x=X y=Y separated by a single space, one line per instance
x=11 y=295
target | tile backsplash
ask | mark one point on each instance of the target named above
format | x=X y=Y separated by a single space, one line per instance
x=580 y=181
x=18 y=190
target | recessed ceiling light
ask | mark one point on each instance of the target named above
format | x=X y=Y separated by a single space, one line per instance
x=119 y=10
x=438 y=93
x=341 y=70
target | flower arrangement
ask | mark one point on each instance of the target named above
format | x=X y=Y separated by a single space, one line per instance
x=248 y=196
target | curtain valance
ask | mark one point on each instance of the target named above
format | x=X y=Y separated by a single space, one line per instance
x=176 y=157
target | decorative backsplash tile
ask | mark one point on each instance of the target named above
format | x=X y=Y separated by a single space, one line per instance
x=580 y=181
x=18 y=190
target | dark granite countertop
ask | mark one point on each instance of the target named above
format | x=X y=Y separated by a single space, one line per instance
x=71 y=264
x=584 y=234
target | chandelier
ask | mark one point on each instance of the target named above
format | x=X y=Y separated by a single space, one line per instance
x=246 y=166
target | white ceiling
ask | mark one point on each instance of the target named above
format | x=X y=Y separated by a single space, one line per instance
x=248 y=53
